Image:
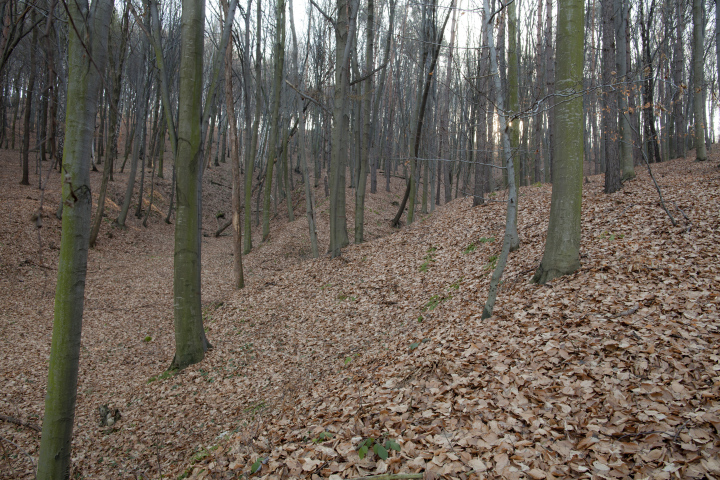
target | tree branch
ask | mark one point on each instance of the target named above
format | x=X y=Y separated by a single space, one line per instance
x=322 y=12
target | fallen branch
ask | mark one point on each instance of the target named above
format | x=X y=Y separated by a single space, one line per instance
x=391 y=476
x=657 y=187
x=686 y=217
x=222 y=228
x=19 y=448
x=627 y=312
x=22 y=423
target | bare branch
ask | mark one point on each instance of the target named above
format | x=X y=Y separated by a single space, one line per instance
x=322 y=12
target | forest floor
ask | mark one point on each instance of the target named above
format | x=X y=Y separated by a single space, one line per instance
x=611 y=372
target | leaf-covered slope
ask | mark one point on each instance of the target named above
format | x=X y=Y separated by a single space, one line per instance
x=612 y=371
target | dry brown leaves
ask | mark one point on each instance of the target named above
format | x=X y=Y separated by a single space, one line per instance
x=608 y=373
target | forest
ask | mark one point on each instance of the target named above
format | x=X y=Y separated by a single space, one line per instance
x=348 y=239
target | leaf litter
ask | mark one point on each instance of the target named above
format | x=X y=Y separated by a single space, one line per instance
x=611 y=372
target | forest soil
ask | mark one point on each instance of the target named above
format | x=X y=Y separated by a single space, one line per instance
x=612 y=371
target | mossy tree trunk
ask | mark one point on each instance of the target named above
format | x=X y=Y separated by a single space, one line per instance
x=83 y=84
x=562 y=246
x=626 y=161
x=190 y=341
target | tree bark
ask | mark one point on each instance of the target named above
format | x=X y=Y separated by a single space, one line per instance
x=613 y=174
x=279 y=60
x=511 y=215
x=83 y=84
x=344 y=36
x=251 y=153
x=417 y=124
x=513 y=86
x=366 y=132
x=238 y=277
x=190 y=341
x=626 y=161
x=562 y=246
x=28 y=105
x=699 y=80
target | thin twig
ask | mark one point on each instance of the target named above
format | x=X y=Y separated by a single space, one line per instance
x=686 y=217
x=657 y=187
x=157 y=446
x=390 y=476
x=322 y=12
x=22 y=423
x=19 y=448
x=627 y=312
x=308 y=97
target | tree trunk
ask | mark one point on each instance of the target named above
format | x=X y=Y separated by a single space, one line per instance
x=238 y=277
x=613 y=174
x=366 y=132
x=510 y=230
x=279 y=60
x=626 y=161
x=698 y=80
x=538 y=119
x=113 y=116
x=514 y=107
x=83 y=83
x=28 y=105
x=138 y=143
x=562 y=246
x=344 y=35
x=417 y=124
x=251 y=153
x=648 y=87
x=550 y=81
x=190 y=341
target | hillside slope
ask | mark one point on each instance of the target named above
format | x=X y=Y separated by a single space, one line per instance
x=610 y=372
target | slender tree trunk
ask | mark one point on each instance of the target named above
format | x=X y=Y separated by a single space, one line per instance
x=417 y=124
x=83 y=83
x=445 y=115
x=514 y=107
x=28 y=105
x=699 y=80
x=238 y=278
x=367 y=131
x=113 y=117
x=210 y=135
x=510 y=230
x=251 y=153
x=613 y=173
x=344 y=36
x=279 y=60
x=648 y=87
x=138 y=144
x=538 y=119
x=550 y=79
x=626 y=161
